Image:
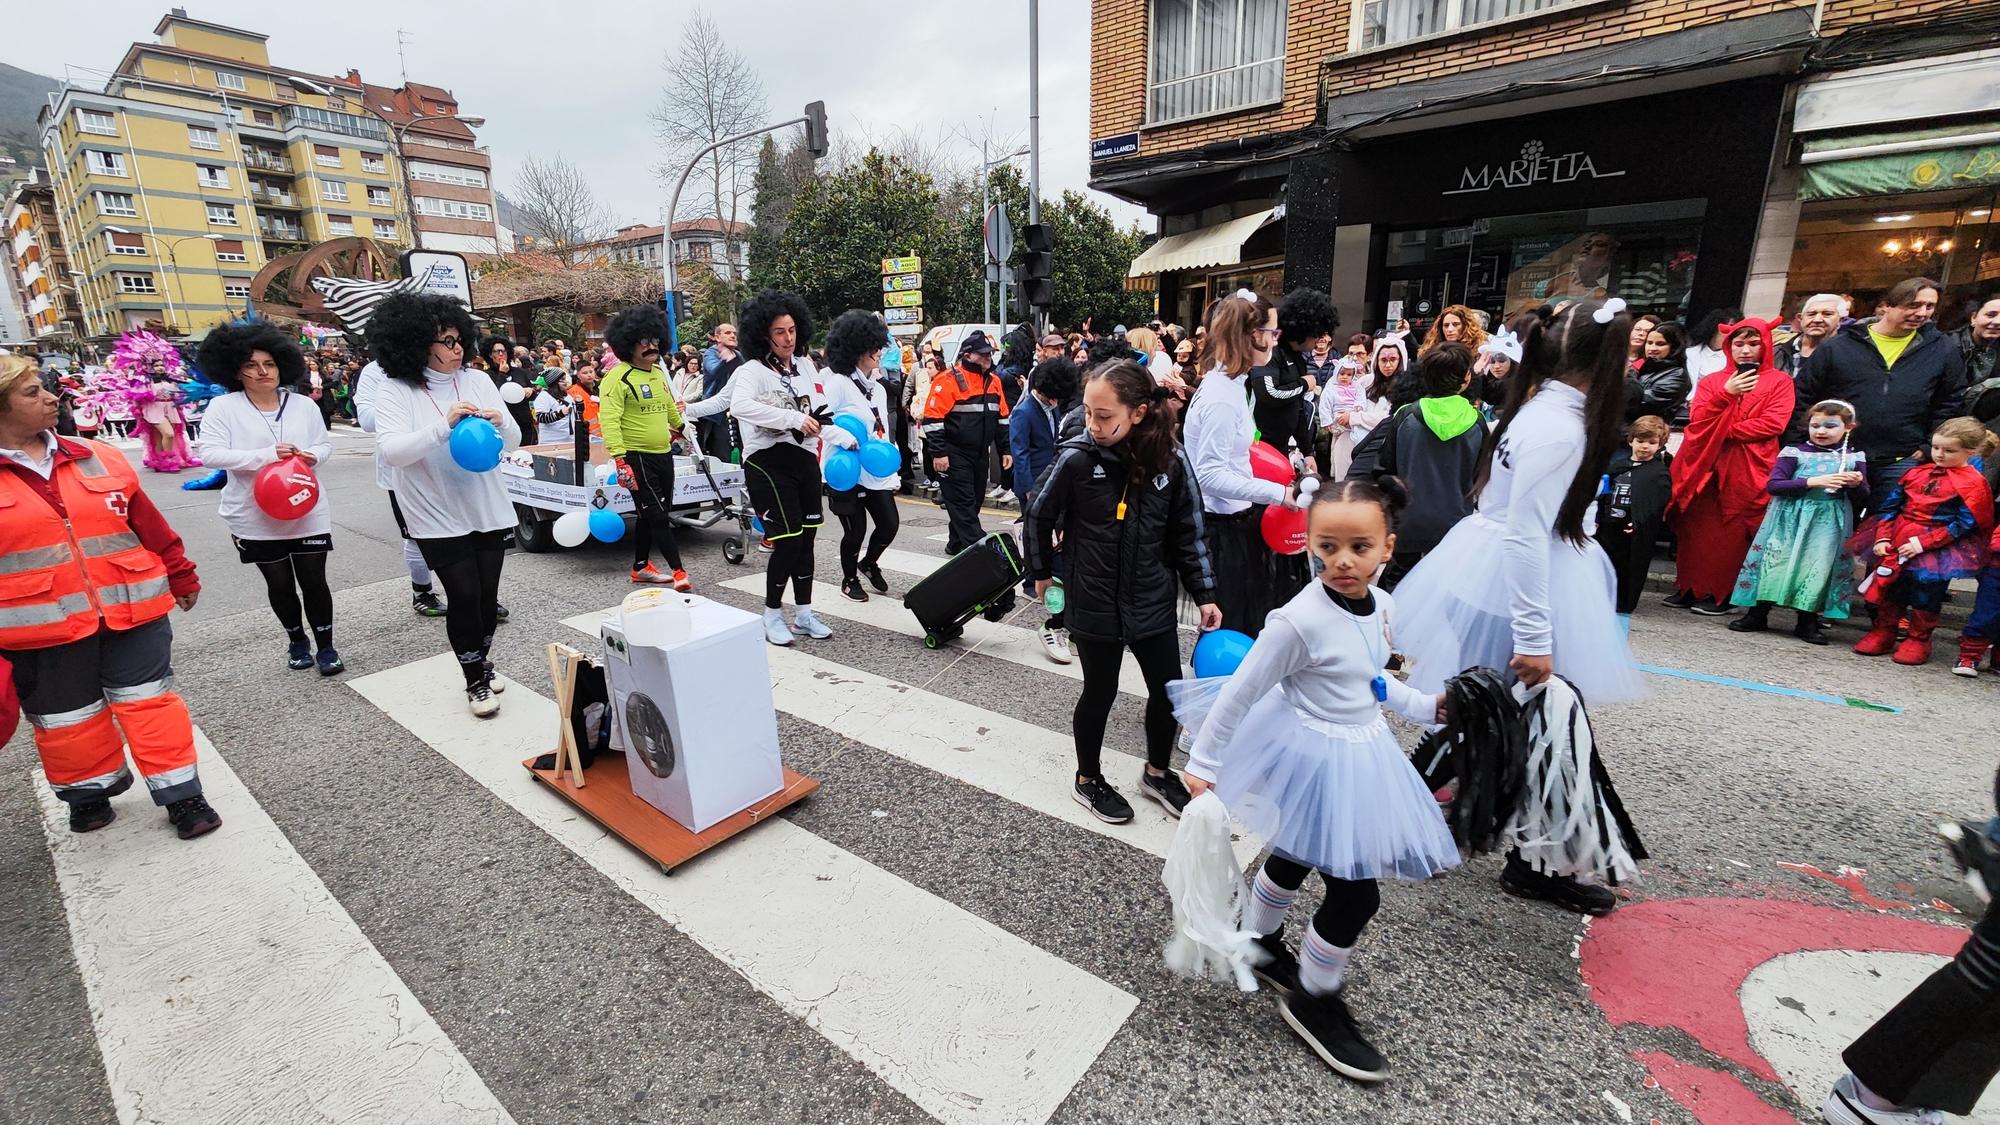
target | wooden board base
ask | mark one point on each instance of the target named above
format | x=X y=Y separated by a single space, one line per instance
x=607 y=798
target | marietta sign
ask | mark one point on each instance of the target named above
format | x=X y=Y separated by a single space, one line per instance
x=1534 y=166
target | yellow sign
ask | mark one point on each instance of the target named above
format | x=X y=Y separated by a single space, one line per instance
x=895 y=282
x=910 y=264
x=907 y=299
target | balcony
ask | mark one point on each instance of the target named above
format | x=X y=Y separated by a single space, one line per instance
x=272 y=197
x=267 y=161
x=280 y=232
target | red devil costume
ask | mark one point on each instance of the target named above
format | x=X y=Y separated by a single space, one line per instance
x=1722 y=467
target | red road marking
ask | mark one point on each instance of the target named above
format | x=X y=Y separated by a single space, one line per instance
x=1711 y=1095
x=1849 y=880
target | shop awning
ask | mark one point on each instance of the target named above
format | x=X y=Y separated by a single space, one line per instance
x=1940 y=158
x=1219 y=245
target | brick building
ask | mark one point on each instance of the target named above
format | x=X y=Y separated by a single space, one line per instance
x=1686 y=154
x=698 y=243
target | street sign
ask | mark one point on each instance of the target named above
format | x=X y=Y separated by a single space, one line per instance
x=1108 y=148
x=999 y=234
x=910 y=264
x=907 y=299
x=903 y=316
x=996 y=271
x=896 y=283
x=912 y=329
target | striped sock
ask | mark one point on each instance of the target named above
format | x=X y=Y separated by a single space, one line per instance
x=1264 y=911
x=1322 y=964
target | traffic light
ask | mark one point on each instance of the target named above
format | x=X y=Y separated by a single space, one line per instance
x=816 y=141
x=1038 y=265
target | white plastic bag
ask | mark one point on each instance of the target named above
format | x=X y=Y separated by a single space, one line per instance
x=1206 y=886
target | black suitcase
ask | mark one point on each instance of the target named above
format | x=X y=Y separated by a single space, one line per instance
x=979 y=579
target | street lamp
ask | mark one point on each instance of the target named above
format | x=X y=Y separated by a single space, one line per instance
x=173 y=257
x=986 y=207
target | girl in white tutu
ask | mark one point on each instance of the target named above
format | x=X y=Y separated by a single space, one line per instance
x=1294 y=743
x=1520 y=585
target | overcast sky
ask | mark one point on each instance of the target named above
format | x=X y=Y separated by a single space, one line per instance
x=579 y=76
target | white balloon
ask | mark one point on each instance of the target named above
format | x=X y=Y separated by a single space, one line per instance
x=572 y=528
x=511 y=393
x=1308 y=486
x=606 y=473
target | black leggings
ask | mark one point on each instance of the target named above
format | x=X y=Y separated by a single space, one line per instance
x=784 y=485
x=877 y=504
x=297 y=577
x=1159 y=662
x=1348 y=905
x=652 y=497
x=468 y=567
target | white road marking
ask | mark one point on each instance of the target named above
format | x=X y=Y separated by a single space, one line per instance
x=222 y=975
x=911 y=563
x=968 y=1021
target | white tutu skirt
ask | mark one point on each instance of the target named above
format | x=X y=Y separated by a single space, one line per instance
x=1343 y=800
x=1452 y=614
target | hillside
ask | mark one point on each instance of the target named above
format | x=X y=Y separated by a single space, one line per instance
x=21 y=97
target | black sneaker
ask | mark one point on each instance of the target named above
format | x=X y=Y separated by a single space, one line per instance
x=873 y=572
x=500 y=613
x=330 y=663
x=1103 y=801
x=1167 y=789
x=1328 y=1028
x=1711 y=607
x=851 y=588
x=193 y=817
x=1755 y=621
x=300 y=656
x=89 y=816
x=1518 y=878
x=1281 y=972
x=1978 y=861
x=1679 y=599
x=426 y=603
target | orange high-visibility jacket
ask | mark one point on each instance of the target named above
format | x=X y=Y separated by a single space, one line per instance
x=963 y=413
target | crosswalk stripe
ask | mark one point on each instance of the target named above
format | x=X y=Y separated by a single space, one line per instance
x=898 y=978
x=911 y=563
x=223 y=969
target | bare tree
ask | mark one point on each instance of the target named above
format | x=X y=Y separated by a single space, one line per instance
x=556 y=200
x=711 y=92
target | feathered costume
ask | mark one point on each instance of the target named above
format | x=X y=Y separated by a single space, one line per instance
x=143 y=378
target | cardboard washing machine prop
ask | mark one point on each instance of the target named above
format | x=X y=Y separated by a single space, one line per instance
x=694 y=732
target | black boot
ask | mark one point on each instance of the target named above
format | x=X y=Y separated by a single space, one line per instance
x=1810 y=629
x=1520 y=878
x=1756 y=620
x=89 y=816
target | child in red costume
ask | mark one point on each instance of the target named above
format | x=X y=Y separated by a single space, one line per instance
x=1932 y=528
x=1724 y=463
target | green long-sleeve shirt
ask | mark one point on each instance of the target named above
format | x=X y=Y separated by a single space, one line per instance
x=636 y=410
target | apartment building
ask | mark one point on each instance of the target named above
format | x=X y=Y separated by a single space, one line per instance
x=200 y=161
x=697 y=242
x=38 y=265
x=1409 y=154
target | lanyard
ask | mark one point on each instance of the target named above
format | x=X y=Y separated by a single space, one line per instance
x=432 y=399
x=277 y=426
x=868 y=396
x=1378 y=685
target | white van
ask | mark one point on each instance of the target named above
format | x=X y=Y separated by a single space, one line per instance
x=945 y=338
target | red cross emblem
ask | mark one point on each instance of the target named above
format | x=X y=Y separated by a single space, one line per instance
x=116 y=502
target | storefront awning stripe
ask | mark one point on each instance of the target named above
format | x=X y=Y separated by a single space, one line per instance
x=1218 y=245
x=1896 y=172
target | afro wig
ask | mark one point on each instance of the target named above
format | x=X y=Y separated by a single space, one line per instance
x=640 y=322
x=486 y=346
x=854 y=334
x=753 y=320
x=405 y=325
x=227 y=348
x=1305 y=314
x=1056 y=379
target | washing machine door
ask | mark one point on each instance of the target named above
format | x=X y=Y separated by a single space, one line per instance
x=651 y=737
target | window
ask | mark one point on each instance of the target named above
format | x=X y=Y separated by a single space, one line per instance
x=105 y=163
x=222 y=214
x=132 y=243
x=236 y=288
x=378 y=197
x=326 y=156
x=335 y=190
x=447 y=174
x=454 y=209
x=210 y=175
x=93 y=121
x=335 y=101
x=200 y=136
x=352 y=125
x=373 y=162
x=264 y=117
x=385 y=229
x=228 y=81
x=1210 y=56
x=1394 y=21
x=136 y=283
x=230 y=250
x=115 y=203
x=340 y=224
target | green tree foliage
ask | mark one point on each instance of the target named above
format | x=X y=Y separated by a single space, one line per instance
x=711 y=301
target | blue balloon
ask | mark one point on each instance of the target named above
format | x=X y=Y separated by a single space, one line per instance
x=855 y=424
x=606 y=526
x=476 y=445
x=1220 y=653
x=843 y=470
x=881 y=458
x=757 y=525
x=207 y=482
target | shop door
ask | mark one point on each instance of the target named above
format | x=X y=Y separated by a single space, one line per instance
x=1419 y=297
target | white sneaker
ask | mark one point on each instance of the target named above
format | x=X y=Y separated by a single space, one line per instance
x=774 y=628
x=1006 y=496
x=806 y=624
x=994 y=492
x=1055 y=647
x=1843 y=1107
x=479 y=699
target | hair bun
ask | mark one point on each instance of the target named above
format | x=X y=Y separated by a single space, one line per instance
x=1396 y=491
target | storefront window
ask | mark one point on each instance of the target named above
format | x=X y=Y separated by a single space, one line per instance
x=1197 y=290
x=1500 y=266
x=1859 y=248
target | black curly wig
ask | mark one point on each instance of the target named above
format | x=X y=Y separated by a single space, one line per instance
x=1057 y=380
x=1304 y=314
x=753 y=321
x=640 y=322
x=227 y=348
x=485 y=352
x=404 y=326
x=854 y=334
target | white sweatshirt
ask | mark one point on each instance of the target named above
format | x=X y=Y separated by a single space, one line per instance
x=440 y=500
x=766 y=408
x=1532 y=468
x=366 y=389
x=241 y=439
x=841 y=396
x=1217 y=437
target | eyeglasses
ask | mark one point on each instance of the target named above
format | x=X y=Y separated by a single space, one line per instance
x=449 y=342
x=1260 y=332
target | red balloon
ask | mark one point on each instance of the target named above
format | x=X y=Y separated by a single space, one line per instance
x=1284 y=529
x=1266 y=463
x=286 y=489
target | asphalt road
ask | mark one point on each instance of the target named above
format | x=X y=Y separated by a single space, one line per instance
x=546 y=980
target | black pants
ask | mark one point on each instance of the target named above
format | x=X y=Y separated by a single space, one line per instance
x=1159 y=662
x=962 y=488
x=299 y=583
x=1630 y=547
x=468 y=566
x=1400 y=564
x=1251 y=580
x=1001 y=446
x=1345 y=911
x=1939 y=1046
x=713 y=433
x=652 y=499
x=856 y=509
x=785 y=489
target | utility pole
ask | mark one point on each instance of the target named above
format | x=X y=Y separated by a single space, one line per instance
x=1035 y=136
x=985 y=209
